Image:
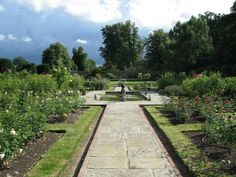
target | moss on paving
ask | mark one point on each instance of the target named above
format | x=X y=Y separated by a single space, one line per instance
x=197 y=162
x=56 y=160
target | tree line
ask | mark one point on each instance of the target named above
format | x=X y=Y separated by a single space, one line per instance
x=206 y=42
x=50 y=57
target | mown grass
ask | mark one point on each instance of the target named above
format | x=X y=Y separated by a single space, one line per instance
x=116 y=97
x=56 y=160
x=131 y=84
x=196 y=161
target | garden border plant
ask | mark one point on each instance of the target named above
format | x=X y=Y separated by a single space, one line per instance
x=190 y=156
x=57 y=160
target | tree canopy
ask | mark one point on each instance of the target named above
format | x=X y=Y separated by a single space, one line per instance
x=81 y=60
x=122 y=45
x=157 y=49
x=54 y=53
x=19 y=63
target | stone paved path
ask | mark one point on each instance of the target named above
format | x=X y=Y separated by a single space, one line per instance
x=125 y=145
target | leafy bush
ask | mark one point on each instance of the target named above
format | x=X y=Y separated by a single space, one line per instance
x=221 y=130
x=20 y=120
x=76 y=82
x=97 y=83
x=43 y=69
x=110 y=76
x=43 y=84
x=174 y=90
x=201 y=85
x=168 y=79
x=230 y=86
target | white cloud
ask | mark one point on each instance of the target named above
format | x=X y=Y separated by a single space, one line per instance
x=92 y=10
x=27 y=39
x=165 y=13
x=2 y=37
x=41 y=5
x=81 y=41
x=11 y=37
x=2 y=9
x=145 y=13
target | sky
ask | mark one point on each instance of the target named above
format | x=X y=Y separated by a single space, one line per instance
x=27 y=27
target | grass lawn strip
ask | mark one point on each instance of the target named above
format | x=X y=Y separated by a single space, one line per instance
x=196 y=161
x=59 y=155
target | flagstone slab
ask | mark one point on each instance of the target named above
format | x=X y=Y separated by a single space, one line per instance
x=125 y=145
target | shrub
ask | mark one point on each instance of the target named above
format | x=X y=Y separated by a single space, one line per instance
x=201 y=85
x=43 y=69
x=230 y=86
x=26 y=102
x=110 y=76
x=221 y=130
x=42 y=84
x=168 y=79
x=76 y=82
x=97 y=83
x=6 y=65
x=174 y=90
x=180 y=109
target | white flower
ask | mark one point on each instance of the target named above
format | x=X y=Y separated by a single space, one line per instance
x=20 y=150
x=229 y=161
x=78 y=91
x=5 y=93
x=7 y=111
x=1 y=130
x=13 y=132
x=2 y=155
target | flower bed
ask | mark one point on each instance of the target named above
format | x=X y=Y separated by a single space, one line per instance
x=26 y=102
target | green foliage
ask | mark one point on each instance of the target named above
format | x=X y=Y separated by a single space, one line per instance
x=57 y=159
x=203 y=84
x=76 y=82
x=20 y=120
x=43 y=69
x=110 y=76
x=122 y=45
x=80 y=58
x=191 y=43
x=167 y=79
x=60 y=74
x=5 y=65
x=221 y=130
x=31 y=68
x=196 y=161
x=97 y=83
x=174 y=90
x=230 y=86
x=157 y=49
x=39 y=85
x=54 y=53
x=19 y=63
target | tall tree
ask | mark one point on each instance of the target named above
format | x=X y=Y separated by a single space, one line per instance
x=79 y=57
x=54 y=53
x=122 y=45
x=19 y=63
x=191 y=43
x=226 y=48
x=157 y=49
x=5 y=65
